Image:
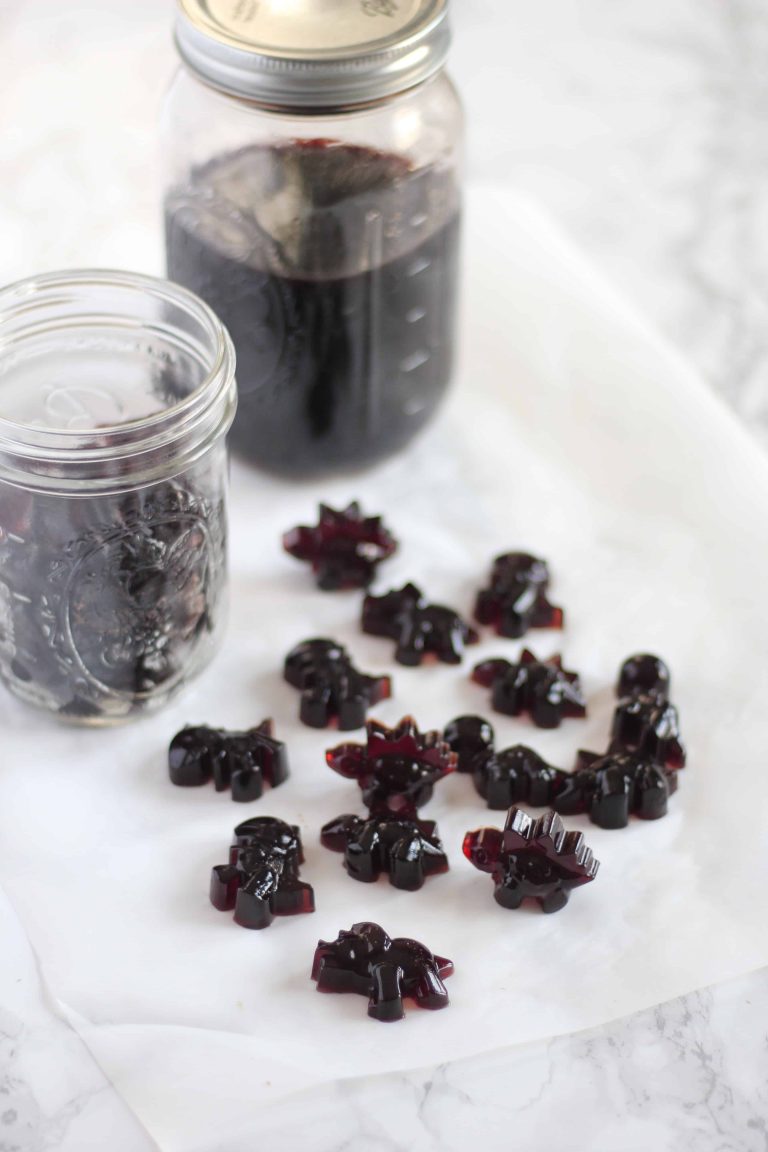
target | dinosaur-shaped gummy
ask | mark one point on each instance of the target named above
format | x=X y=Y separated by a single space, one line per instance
x=418 y=627
x=516 y=599
x=542 y=688
x=638 y=773
x=242 y=761
x=513 y=776
x=364 y=960
x=408 y=850
x=344 y=548
x=532 y=859
x=261 y=880
x=331 y=687
x=611 y=788
x=396 y=769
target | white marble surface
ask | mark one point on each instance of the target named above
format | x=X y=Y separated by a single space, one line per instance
x=641 y=127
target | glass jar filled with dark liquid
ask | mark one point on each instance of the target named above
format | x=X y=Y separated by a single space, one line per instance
x=313 y=202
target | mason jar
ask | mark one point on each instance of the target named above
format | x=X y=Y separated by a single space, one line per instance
x=116 y=394
x=313 y=155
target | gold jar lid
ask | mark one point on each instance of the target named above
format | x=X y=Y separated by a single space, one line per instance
x=313 y=54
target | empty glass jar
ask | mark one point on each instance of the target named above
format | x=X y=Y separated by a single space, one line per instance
x=116 y=392
x=313 y=200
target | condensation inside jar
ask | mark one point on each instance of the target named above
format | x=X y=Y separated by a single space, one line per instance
x=111 y=592
x=334 y=268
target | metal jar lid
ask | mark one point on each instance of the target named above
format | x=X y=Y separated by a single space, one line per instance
x=313 y=54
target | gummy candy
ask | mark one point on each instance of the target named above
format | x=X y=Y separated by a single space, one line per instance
x=332 y=688
x=468 y=737
x=637 y=775
x=344 y=548
x=643 y=673
x=611 y=788
x=396 y=769
x=513 y=776
x=532 y=859
x=409 y=850
x=516 y=599
x=418 y=627
x=364 y=960
x=540 y=687
x=241 y=761
x=105 y=604
x=261 y=880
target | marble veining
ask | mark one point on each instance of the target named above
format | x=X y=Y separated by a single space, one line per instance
x=52 y=1094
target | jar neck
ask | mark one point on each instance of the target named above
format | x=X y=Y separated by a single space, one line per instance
x=87 y=345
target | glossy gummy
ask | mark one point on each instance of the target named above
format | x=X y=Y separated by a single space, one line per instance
x=407 y=850
x=261 y=879
x=366 y=961
x=515 y=775
x=611 y=788
x=542 y=688
x=344 y=548
x=534 y=859
x=396 y=769
x=240 y=761
x=332 y=689
x=516 y=598
x=419 y=629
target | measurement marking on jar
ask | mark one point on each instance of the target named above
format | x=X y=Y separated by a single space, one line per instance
x=411 y=363
x=419 y=266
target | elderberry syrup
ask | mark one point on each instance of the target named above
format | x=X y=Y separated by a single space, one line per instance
x=116 y=393
x=313 y=201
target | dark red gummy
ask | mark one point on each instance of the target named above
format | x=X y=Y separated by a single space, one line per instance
x=344 y=548
x=469 y=737
x=418 y=628
x=643 y=673
x=646 y=725
x=364 y=960
x=513 y=776
x=534 y=859
x=344 y=329
x=543 y=688
x=240 y=761
x=516 y=598
x=332 y=689
x=261 y=880
x=610 y=789
x=407 y=850
x=397 y=768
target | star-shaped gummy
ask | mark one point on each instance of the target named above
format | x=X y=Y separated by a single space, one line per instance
x=516 y=598
x=332 y=689
x=241 y=761
x=532 y=859
x=397 y=768
x=261 y=880
x=344 y=547
x=543 y=688
x=419 y=629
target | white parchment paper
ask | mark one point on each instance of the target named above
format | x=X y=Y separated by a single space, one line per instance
x=573 y=432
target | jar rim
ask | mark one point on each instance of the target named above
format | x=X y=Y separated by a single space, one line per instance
x=132 y=451
x=378 y=65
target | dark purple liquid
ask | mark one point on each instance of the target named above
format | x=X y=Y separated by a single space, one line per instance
x=334 y=269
